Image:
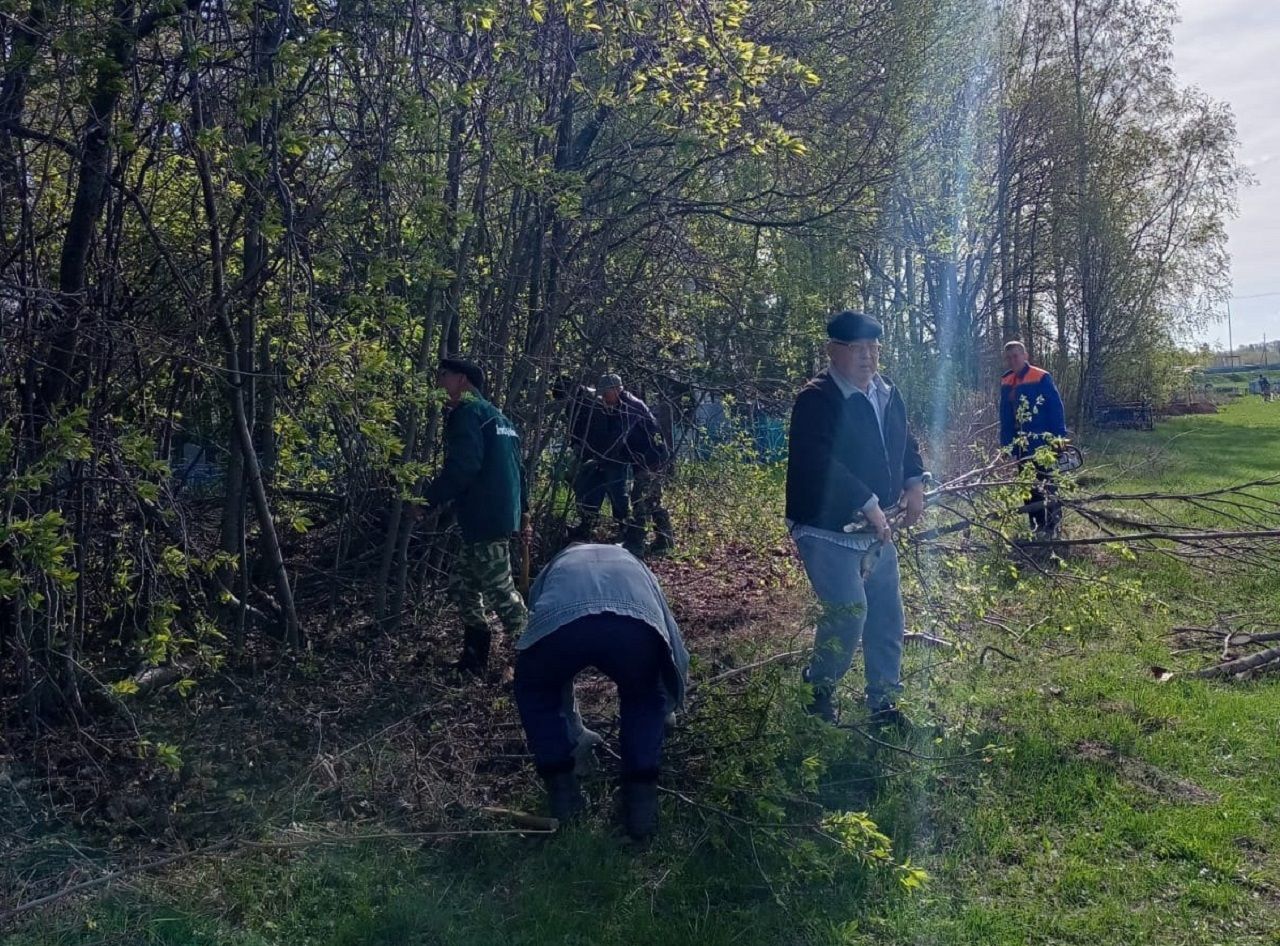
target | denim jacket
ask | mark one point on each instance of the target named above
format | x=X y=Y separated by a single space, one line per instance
x=590 y=579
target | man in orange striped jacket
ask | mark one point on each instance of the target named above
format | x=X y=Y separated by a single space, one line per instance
x=1031 y=417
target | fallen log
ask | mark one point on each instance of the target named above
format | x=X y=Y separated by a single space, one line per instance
x=1232 y=668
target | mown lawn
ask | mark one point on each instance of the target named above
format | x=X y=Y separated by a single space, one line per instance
x=1128 y=811
x=1112 y=808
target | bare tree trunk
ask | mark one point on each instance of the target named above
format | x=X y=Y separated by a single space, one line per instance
x=399 y=527
x=1086 y=395
x=443 y=305
x=1060 y=311
x=234 y=339
x=1030 y=334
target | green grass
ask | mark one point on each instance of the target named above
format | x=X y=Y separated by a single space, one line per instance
x=1171 y=836
x=1121 y=811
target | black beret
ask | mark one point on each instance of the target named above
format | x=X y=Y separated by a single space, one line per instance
x=850 y=326
x=468 y=369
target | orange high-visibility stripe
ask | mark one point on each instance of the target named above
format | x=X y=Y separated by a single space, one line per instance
x=1033 y=375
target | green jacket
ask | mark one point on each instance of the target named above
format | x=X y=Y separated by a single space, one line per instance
x=482 y=475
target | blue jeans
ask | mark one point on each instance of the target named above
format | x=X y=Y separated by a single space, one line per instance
x=626 y=650
x=855 y=610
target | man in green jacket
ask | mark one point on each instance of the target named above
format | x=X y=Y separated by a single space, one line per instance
x=483 y=478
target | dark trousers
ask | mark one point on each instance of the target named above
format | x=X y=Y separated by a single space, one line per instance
x=1043 y=509
x=627 y=651
x=597 y=481
x=646 y=503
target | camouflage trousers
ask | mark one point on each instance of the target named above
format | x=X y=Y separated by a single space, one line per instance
x=646 y=502
x=481 y=579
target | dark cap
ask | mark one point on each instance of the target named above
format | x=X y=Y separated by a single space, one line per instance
x=850 y=326
x=608 y=381
x=468 y=369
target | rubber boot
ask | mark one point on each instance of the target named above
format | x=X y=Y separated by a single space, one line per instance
x=640 y=807
x=583 y=531
x=664 y=543
x=622 y=532
x=633 y=538
x=564 y=797
x=475 y=651
x=666 y=539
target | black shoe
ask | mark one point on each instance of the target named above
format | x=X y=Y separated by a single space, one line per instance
x=640 y=809
x=823 y=703
x=890 y=717
x=475 y=651
x=564 y=798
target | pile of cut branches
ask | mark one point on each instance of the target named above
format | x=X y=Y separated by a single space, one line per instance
x=1238 y=524
x=1244 y=646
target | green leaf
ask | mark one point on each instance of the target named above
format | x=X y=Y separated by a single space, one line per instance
x=125 y=687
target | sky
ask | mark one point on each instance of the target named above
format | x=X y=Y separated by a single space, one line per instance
x=1231 y=50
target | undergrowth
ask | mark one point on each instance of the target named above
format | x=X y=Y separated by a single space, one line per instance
x=1053 y=790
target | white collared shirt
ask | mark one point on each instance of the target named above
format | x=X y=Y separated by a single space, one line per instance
x=877 y=392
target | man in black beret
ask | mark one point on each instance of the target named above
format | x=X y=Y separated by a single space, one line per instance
x=469 y=370
x=483 y=478
x=851 y=456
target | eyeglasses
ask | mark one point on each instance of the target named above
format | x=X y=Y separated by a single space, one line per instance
x=865 y=344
